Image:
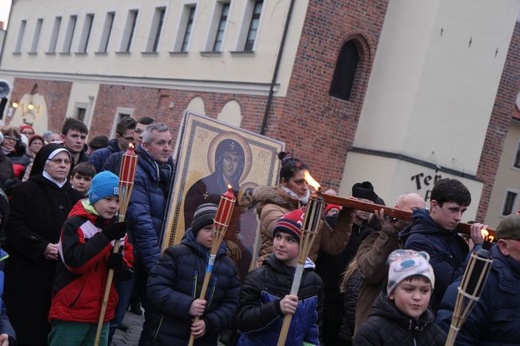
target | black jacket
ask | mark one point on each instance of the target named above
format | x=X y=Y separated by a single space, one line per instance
x=259 y=314
x=447 y=251
x=175 y=281
x=387 y=326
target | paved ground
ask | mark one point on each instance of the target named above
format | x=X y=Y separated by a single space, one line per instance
x=131 y=336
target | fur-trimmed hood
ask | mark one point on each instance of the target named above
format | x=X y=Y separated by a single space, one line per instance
x=273 y=195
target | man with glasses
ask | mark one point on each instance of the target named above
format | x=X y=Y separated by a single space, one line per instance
x=124 y=136
x=74 y=135
x=495 y=319
x=113 y=163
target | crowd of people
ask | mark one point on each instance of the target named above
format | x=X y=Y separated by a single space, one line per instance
x=368 y=279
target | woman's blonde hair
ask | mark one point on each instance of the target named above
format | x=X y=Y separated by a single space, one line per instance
x=351 y=269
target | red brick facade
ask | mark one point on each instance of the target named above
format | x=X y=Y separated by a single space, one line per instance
x=56 y=96
x=320 y=128
x=499 y=123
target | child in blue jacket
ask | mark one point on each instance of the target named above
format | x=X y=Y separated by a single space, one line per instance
x=265 y=296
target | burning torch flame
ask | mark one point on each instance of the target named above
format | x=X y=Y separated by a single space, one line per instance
x=130 y=146
x=486 y=235
x=310 y=180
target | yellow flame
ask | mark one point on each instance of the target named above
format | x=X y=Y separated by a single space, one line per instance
x=310 y=180
x=485 y=234
x=130 y=146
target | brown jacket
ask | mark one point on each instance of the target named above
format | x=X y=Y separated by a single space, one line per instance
x=273 y=203
x=371 y=257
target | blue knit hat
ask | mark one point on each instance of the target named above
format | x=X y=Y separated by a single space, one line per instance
x=105 y=184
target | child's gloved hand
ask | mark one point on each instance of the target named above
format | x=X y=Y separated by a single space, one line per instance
x=121 y=269
x=115 y=261
x=116 y=230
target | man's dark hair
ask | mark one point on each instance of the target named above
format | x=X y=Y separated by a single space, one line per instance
x=73 y=124
x=98 y=142
x=146 y=121
x=86 y=169
x=450 y=190
x=124 y=124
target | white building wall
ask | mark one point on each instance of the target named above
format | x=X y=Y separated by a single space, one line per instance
x=432 y=89
x=231 y=70
x=508 y=177
x=437 y=66
x=2 y=38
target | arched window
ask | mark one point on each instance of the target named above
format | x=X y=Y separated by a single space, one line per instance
x=345 y=71
x=231 y=113
x=197 y=105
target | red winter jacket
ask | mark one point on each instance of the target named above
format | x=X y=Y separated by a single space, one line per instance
x=82 y=271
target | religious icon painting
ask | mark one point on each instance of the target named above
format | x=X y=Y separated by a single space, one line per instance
x=212 y=156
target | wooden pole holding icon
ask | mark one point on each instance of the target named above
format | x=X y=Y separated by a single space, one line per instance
x=353 y=203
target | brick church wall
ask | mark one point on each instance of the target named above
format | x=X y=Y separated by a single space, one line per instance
x=499 y=123
x=320 y=128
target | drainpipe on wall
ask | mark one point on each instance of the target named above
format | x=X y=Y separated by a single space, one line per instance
x=276 y=68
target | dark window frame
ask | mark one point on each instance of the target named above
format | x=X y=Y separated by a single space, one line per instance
x=516 y=162
x=345 y=71
x=188 y=29
x=509 y=202
x=221 y=27
x=253 y=26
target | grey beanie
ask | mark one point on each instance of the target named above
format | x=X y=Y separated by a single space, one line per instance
x=203 y=216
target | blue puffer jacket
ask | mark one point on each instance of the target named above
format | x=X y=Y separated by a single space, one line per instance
x=146 y=209
x=259 y=315
x=447 y=250
x=495 y=319
x=100 y=156
x=176 y=280
x=113 y=163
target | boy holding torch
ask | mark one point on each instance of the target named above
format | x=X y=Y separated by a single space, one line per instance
x=175 y=283
x=265 y=296
x=85 y=251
